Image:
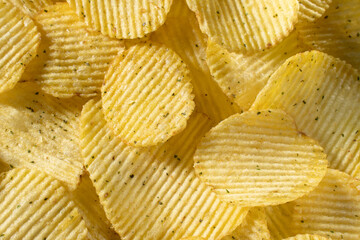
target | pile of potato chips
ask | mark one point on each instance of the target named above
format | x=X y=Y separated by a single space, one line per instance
x=180 y=119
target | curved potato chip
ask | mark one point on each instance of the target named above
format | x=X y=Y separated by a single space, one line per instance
x=337 y=33
x=39 y=131
x=242 y=76
x=241 y=25
x=88 y=204
x=153 y=193
x=332 y=209
x=307 y=237
x=18 y=44
x=258 y=158
x=310 y=10
x=279 y=220
x=31 y=7
x=181 y=33
x=254 y=227
x=72 y=60
x=321 y=93
x=147 y=95
x=123 y=19
x=34 y=205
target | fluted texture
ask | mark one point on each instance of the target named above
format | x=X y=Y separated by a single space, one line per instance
x=31 y=7
x=310 y=10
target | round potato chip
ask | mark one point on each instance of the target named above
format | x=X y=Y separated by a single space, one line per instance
x=123 y=19
x=310 y=10
x=34 y=205
x=18 y=44
x=337 y=32
x=72 y=60
x=321 y=93
x=153 y=193
x=307 y=237
x=147 y=95
x=31 y=7
x=259 y=158
x=242 y=76
x=242 y=25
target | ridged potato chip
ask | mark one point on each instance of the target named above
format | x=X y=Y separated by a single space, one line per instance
x=40 y=131
x=254 y=227
x=72 y=60
x=242 y=76
x=321 y=93
x=337 y=32
x=153 y=193
x=193 y=238
x=31 y=7
x=147 y=95
x=310 y=10
x=331 y=210
x=88 y=204
x=18 y=44
x=279 y=220
x=181 y=33
x=34 y=205
x=241 y=25
x=307 y=237
x=123 y=19
x=259 y=158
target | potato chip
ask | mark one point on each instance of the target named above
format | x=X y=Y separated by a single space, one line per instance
x=279 y=220
x=307 y=237
x=39 y=131
x=241 y=25
x=259 y=158
x=193 y=238
x=3 y=166
x=72 y=60
x=332 y=210
x=310 y=10
x=182 y=34
x=123 y=19
x=337 y=32
x=18 y=44
x=254 y=227
x=153 y=193
x=88 y=203
x=242 y=76
x=147 y=95
x=31 y=7
x=321 y=93
x=34 y=205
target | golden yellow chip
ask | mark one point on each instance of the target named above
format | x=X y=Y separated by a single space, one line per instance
x=123 y=19
x=242 y=76
x=310 y=10
x=241 y=25
x=72 y=60
x=332 y=210
x=279 y=220
x=193 y=238
x=18 y=44
x=307 y=237
x=181 y=33
x=337 y=32
x=88 y=204
x=40 y=131
x=31 y=7
x=34 y=205
x=153 y=193
x=321 y=93
x=258 y=158
x=254 y=227
x=147 y=95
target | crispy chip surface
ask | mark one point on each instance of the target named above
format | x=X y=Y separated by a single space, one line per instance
x=307 y=237
x=147 y=95
x=153 y=193
x=254 y=227
x=321 y=93
x=34 y=205
x=123 y=19
x=279 y=220
x=18 y=44
x=310 y=10
x=39 y=131
x=337 y=32
x=259 y=158
x=242 y=76
x=31 y=7
x=181 y=33
x=331 y=210
x=242 y=25
x=72 y=60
